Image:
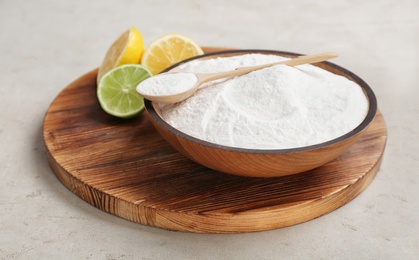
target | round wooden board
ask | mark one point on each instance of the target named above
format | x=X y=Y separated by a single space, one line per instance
x=124 y=167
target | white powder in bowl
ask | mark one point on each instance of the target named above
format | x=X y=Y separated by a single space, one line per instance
x=275 y=108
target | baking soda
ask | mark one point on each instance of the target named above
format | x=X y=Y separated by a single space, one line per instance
x=167 y=84
x=274 y=108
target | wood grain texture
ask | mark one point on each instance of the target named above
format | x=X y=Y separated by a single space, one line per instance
x=124 y=167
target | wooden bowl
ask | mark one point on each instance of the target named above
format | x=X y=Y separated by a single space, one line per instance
x=258 y=162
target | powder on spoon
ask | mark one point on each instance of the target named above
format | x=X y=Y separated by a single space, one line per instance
x=274 y=108
x=167 y=84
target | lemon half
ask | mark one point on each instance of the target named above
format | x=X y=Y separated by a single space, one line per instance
x=127 y=49
x=168 y=50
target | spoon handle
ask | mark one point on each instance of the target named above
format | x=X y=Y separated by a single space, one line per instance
x=307 y=59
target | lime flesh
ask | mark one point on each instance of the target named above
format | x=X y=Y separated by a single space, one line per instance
x=116 y=90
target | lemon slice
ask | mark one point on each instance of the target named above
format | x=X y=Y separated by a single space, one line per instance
x=127 y=49
x=116 y=90
x=168 y=50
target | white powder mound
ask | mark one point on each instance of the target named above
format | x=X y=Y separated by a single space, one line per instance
x=167 y=84
x=275 y=108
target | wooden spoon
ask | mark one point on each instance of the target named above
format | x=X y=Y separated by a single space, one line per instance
x=165 y=88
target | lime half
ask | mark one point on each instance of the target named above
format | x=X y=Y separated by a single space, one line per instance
x=116 y=90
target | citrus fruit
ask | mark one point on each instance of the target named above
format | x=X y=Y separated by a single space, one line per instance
x=127 y=49
x=168 y=50
x=116 y=90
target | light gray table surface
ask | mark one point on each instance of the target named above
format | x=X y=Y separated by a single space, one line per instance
x=47 y=44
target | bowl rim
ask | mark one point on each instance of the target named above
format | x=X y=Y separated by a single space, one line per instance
x=372 y=109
